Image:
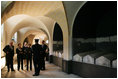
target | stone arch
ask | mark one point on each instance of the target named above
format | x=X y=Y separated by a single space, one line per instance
x=65 y=32
x=93 y=28
x=71 y=8
x=64 y=28
x=93 y=33
x=28 y=23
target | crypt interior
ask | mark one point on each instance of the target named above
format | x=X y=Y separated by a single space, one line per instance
x=81 y=36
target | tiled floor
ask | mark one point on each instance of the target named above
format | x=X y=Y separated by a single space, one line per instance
x=51 y=71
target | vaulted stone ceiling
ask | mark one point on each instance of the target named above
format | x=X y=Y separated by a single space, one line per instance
x=43 y=8
x=33 y=8
x=50 y=9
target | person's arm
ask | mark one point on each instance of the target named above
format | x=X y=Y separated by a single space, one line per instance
x=32 y=50
x=17 y=51
x=6 y=49
x=47 y=49
x=13 y=51
x=23 y=49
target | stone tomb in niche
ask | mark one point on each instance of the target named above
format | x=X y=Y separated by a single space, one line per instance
x=106 y=60
x=90 y=58
x=54 y=53
x=58 y=54
x=114 y=64
x=79 y=57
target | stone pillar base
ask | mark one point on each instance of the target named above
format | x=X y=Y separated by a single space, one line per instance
x=67 y=66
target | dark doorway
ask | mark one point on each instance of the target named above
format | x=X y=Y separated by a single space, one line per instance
x=57 y=45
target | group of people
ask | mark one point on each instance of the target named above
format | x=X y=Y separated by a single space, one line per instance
x=26 y=53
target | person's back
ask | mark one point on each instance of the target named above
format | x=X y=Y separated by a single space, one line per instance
x=36 y=51
x=37 y=54
x=29 y=57
x=29 y=52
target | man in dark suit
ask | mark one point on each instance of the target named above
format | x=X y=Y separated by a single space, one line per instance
x=9 y=50
x=44 y=47
x=19 y=52
x=37 y=57
x=29 y=57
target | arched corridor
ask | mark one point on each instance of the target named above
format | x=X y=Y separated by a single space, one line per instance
x=81 y=36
